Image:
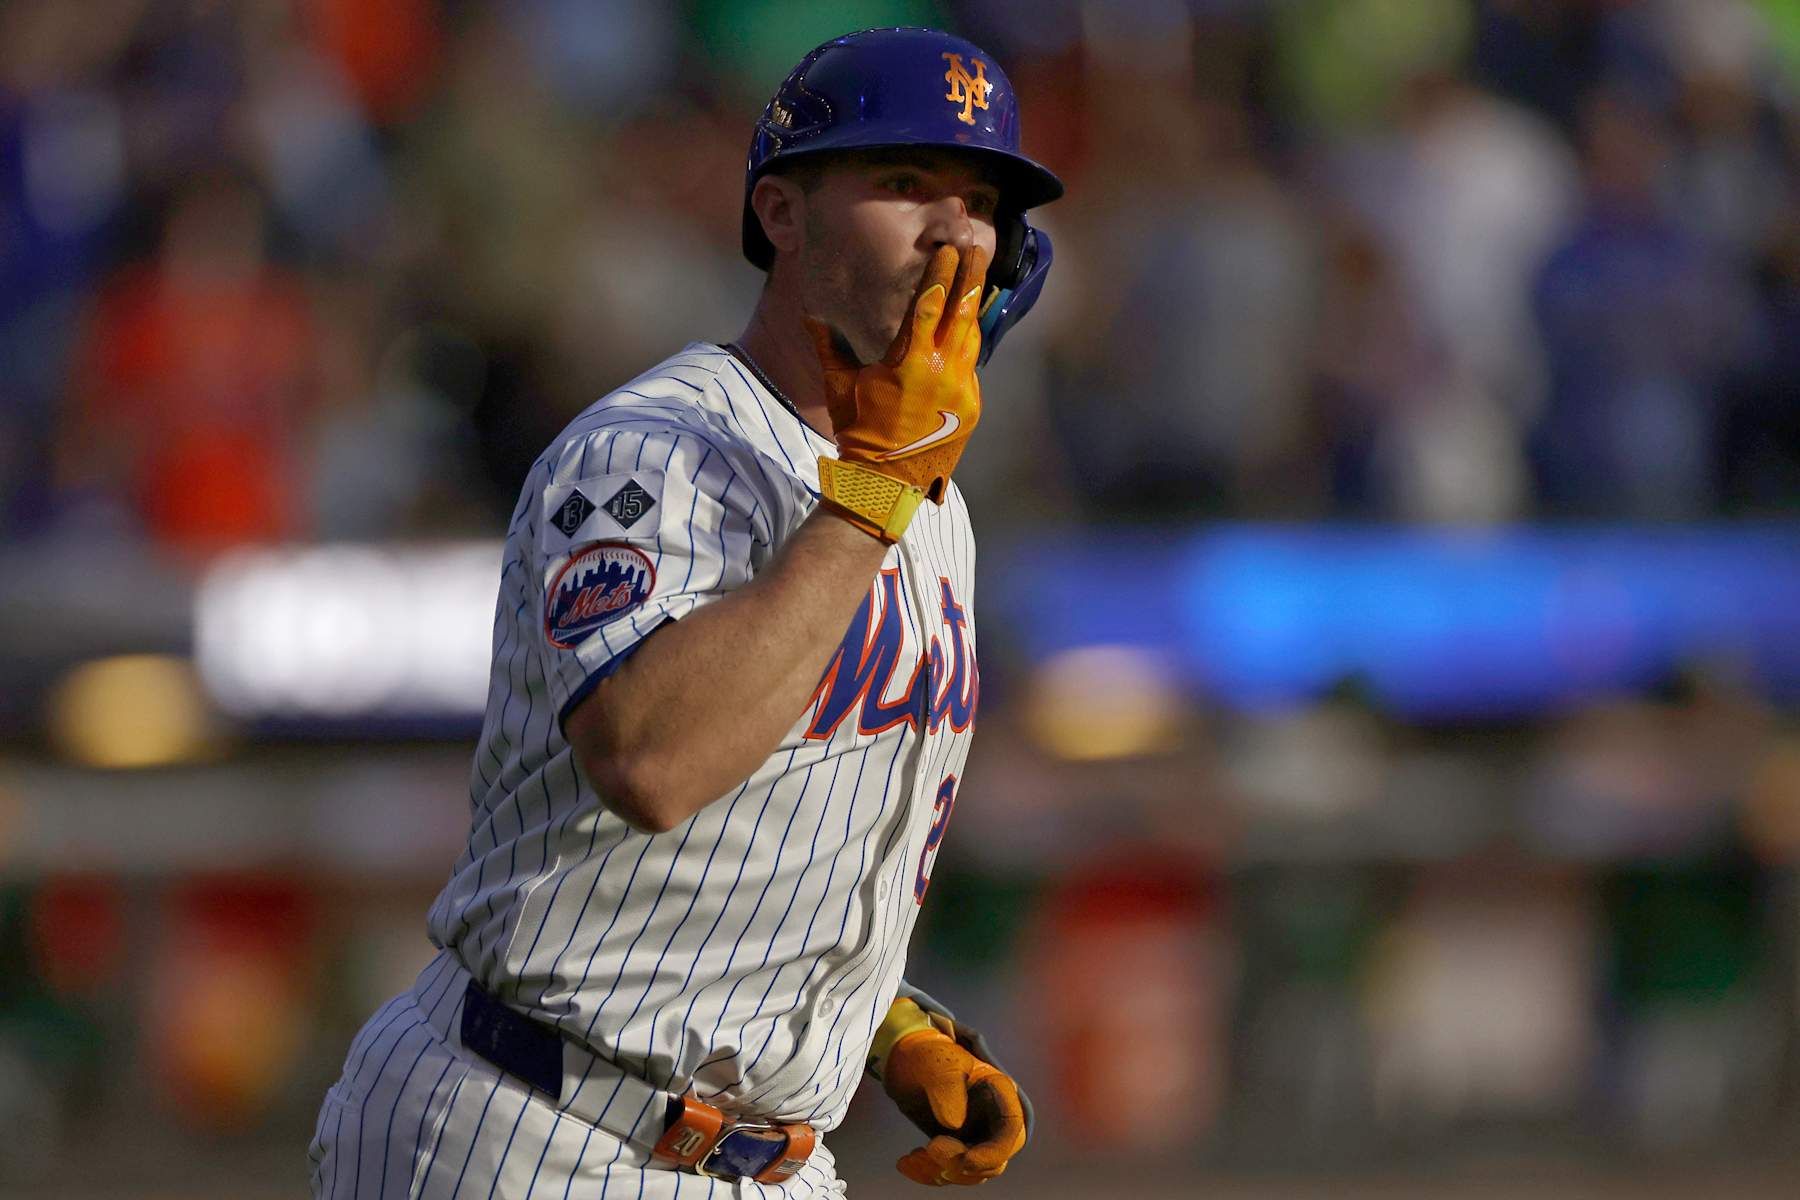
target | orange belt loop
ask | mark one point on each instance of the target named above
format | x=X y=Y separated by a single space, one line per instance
x=799 y=1147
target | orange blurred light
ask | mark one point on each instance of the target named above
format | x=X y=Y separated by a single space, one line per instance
x=136 y=710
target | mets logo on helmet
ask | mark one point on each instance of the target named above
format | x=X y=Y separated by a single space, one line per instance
x=970 y=91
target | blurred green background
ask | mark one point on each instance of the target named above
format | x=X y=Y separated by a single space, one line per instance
x=1389 y=769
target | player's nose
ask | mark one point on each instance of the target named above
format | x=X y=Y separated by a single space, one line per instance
x=947 y=223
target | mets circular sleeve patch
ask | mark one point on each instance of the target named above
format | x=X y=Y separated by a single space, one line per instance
x=600 y=583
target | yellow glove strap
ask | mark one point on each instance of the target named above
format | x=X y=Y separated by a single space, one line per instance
x=877 y=504
x=903 y=1017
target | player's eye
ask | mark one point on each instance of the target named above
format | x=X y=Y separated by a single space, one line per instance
x=903 y=184
x=982 y=204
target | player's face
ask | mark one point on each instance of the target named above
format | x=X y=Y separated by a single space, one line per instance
x=872 y=225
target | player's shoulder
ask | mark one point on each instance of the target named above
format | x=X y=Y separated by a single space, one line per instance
x=687 y=381
x=711 y=383
x=685 y=417
x=678 y=404
x=677 y=394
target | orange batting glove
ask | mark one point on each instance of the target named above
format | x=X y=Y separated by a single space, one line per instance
x=901 y=423
x=969 y=1108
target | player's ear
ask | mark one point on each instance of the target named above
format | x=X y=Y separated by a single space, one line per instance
x=780 y=204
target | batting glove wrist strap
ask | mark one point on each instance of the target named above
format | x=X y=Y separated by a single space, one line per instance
x=879 y=505
x=903 y=1018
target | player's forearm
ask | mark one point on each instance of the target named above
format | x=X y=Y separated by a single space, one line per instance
x=701 y=704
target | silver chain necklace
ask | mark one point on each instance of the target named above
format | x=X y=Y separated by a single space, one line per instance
x=742 y=355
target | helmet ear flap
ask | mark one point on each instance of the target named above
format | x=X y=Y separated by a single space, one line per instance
x=1007 y=266
x=1007 y=302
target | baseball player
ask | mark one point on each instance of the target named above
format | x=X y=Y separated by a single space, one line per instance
x=734 y=684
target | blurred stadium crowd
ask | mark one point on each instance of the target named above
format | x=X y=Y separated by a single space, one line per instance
x=338 y=268
x=281 y=271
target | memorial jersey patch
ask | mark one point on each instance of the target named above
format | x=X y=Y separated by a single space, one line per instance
x=629 y=503
x=574 y=511
x=599 y=583
x=615 y=506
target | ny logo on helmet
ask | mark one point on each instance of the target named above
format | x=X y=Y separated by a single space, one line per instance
x=970 y=91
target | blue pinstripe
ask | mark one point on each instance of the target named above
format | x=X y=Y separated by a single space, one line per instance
x=573 y=810
x=506 y=1151
x=419 y=1135
x=606 y=1176
x=730 y=415
x=362 y=1109
x=745 y=379
x=700 y=951
x=474 y=1139
x=891 y=918
x=372 y=1034
x=805 y=938
x=512 y=866
x=387 y=1137
x=538 y=1169
x=897 y=887
x=337 y=1129
x=659 y=553
x=431 y=1159
x=763 y=895
x=663 y=954
x=481 y=868
x=586 y=971
x=555 y=971
x=850 y=900
x=649 y=915
x=523 y=514
x=731 y=397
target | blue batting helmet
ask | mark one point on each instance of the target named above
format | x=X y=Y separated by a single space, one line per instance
x=914 y=87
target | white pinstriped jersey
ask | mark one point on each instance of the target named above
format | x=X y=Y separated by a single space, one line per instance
x=748 y=954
